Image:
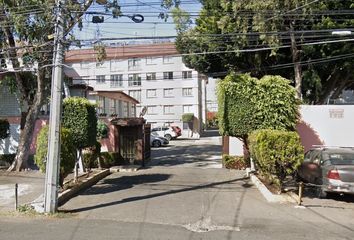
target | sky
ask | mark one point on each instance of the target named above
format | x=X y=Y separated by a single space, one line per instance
x=125 y=27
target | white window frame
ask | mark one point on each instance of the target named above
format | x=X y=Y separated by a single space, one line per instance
x=134 y=64
x=185 y=107
x=151 y=110
x=151 y=75
x=187 y=92
x=168 y=110
x=168 y=92
x=187 y=74
x=134 y=79
x=116 y=80
x=100 y=79
x=168 y=75
x=135 y=94
x=149 y=93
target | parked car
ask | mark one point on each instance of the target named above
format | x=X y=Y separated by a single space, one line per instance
x=168 y=132
x=330 y=167
x=157 y=141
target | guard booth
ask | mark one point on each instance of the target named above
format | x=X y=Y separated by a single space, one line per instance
x=132 y=140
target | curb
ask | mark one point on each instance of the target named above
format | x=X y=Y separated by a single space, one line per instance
x=124 y=168
x=268 y=195
x=68 y=194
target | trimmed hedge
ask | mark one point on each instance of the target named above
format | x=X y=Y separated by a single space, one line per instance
x=187 y=117
x=90 y=155
x=67 y=154
x=247 y=104
x=102 y=129
x=79 y=116
x=277 y=153
x=235 y=162
x=107 y=159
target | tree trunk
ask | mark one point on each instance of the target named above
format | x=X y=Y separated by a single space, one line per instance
x=296 y=57
x=21 y=159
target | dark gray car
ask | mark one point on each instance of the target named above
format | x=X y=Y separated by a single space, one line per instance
x=330 y=167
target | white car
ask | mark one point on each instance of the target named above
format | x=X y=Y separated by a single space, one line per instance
x=167 y=132
x=157 y=141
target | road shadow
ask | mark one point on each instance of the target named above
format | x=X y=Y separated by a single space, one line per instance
x=109 y=185
x=154 y=195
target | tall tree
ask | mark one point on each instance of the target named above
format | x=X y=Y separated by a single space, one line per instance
x=269 y=37
x=26 y=30
x=26 y=27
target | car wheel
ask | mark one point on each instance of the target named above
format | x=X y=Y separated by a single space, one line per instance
x=168 y=137
x=156 y=143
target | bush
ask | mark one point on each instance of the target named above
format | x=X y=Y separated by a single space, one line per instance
x=188 y=117
x=4 y=128
x=91 y=155
x=67 y=154
x=102 y=129
x=247 y=104
x=79 y=116
x=235 y=162
x=107 y=159
x=277 y=153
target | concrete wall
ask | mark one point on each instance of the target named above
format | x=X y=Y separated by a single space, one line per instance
x=326 y=125
x=330 y=125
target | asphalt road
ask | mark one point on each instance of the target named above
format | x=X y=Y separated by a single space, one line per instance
x=182 y=194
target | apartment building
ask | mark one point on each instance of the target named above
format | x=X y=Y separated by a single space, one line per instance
x=152 y=74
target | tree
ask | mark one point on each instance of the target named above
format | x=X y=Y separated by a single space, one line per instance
x=79 y=116
x=26 y=41
x=282 y=29
x=247 y=104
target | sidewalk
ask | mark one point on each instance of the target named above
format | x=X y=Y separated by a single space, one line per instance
x=30 y=187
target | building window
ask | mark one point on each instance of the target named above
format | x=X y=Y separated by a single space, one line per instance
x=168 y=92
x=168 y=109
x=101 y=105
x=134 y=64
x=150 y=61
x=168 y=75
x=187 y=108
x=167 y=60
x=100 y=79
x=125 y=109
x=135 y=94
x=187 y=92
x=113 y=106
x=134 y=79
x=152 y=110
x=151 y=76
x=186 y=74
x=151 y=93
x=117 y=80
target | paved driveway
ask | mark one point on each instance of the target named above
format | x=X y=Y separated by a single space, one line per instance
x=182 y=195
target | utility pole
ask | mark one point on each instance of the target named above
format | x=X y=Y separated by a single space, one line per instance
x=53 y=156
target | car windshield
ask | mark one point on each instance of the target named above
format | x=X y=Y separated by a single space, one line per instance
x=340 y=158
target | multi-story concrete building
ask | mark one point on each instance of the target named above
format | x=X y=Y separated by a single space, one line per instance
x=153 y=74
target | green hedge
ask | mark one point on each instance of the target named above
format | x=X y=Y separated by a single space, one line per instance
x=107 y=159
x=277 y=153
x=79 y=116
x=235 y=162
x=68 y=152
x=187 y=117
x=247 y=104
